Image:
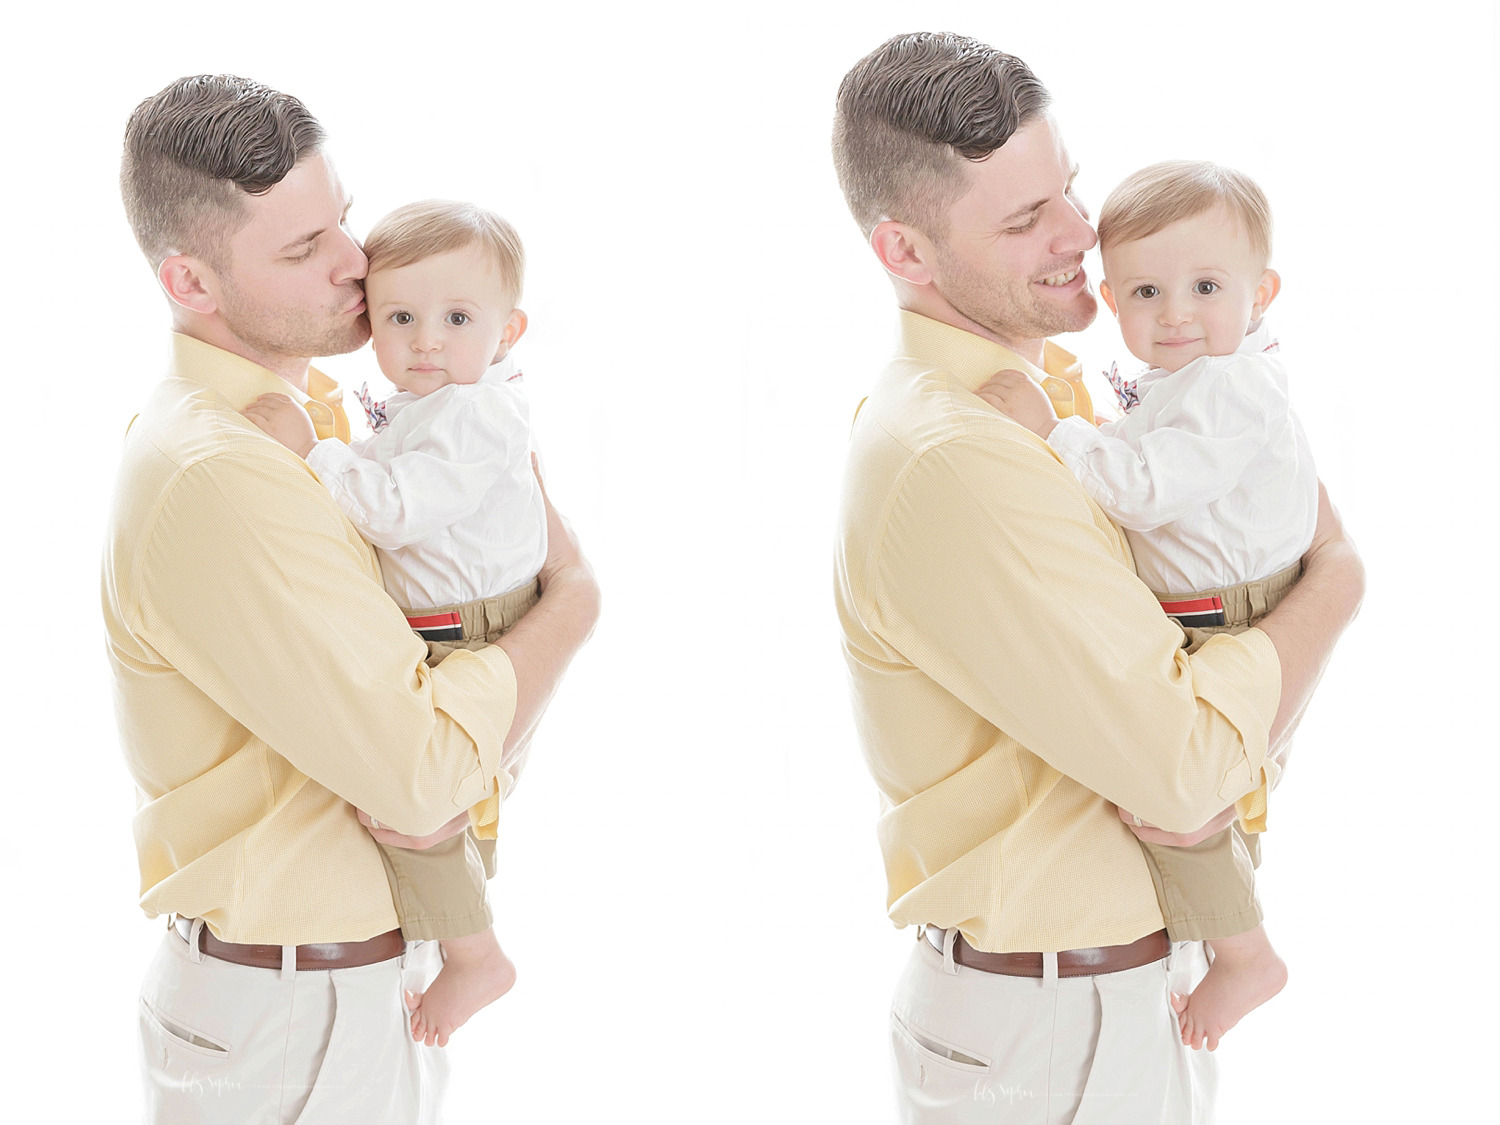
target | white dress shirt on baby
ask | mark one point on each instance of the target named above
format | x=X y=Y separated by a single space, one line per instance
x=445 y=492
x=1210 y=473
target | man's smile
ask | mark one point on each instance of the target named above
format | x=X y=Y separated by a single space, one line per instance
x=1057 y=281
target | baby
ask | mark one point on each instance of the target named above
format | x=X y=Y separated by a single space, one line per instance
x=445 y=492
x=1211 y=477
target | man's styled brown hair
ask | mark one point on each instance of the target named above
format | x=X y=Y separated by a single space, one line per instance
x=1162 y=194
x=912 y=111
x=422 y=230
x=196 y=149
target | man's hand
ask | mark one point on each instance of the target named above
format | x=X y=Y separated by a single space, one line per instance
x=418 y=843
x=285 y=421
x=1150 y=834
x=1016 y=394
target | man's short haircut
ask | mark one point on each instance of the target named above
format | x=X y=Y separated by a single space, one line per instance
x=1158 y=196
x=418 y=231
x=196 y=149
x=912 y=111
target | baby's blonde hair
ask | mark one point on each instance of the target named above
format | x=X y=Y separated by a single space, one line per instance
x=419 y=231
x=1158 y=196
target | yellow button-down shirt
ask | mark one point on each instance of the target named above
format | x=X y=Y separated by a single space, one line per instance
x=264 y=682
x=1012 y=677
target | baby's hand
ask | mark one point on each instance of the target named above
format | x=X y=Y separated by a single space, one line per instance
x=285 y=421
x=1012 y=393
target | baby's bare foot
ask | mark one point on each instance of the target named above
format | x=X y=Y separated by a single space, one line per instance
x=475 y=972
x=1246 y=972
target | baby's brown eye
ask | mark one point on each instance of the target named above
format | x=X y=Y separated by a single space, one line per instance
x=401 y=318
x=1206 y=288
x=1147 y=291
x=458 y=319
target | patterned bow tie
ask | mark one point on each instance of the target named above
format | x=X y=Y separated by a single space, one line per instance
x=1124 y=389
x=374 y=411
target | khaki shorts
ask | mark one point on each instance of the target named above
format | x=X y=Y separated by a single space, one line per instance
x=439 y=892
x=1207 y=891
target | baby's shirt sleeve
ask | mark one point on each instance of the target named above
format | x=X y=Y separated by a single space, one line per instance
x=403 y=485
x=1187 y=443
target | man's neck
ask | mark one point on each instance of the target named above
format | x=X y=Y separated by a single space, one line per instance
x=293 y=369
x=926 y=301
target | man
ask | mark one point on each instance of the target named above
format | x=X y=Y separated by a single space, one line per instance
x=266 y=687
x=1013 y=681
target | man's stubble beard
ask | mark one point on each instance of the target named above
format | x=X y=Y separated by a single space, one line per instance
x=1010 y=310
x=291 y=331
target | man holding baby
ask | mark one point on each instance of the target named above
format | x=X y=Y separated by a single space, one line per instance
x=1017 y=689
x=266 y=685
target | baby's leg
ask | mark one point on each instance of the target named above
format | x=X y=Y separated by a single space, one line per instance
x=1207 y=893
x=1244 y=974
x=476 y=972
x=439 y=895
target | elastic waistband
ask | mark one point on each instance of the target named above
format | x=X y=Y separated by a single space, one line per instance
x=1231 y=605
x=474 y=621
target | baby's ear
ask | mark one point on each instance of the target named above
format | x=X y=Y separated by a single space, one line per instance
x=1270 y=285
x=515 y=328
x=1109 y=298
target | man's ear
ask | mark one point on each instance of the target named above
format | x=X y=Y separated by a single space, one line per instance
x=1109 y=298
x=184 y=279
x=515 y=328
x=1270 y=285
x=903 y=251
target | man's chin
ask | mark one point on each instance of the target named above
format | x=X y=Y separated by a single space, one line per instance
x=1073 y=315
x=354 y=337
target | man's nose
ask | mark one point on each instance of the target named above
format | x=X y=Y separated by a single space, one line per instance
x=1075 y=234
x=352 y=265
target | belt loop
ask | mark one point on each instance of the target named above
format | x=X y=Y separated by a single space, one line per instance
x=195 y=942
x=1258 y=599
x=1049 y=970
x=288 y=962
x=949 y=965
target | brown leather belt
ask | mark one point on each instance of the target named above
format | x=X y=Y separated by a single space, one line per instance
x=1070 y=962
x=333 y=955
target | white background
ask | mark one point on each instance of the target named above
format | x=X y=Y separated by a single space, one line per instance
x=690 y=881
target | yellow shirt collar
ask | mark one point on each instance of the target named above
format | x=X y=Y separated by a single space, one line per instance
x=971 y=360
x=240 y=382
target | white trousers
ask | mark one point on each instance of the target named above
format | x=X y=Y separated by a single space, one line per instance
x=974 y=1047
x=228 y=1043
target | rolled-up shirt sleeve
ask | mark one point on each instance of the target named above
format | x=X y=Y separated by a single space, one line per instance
x=323 y=669
x=999 y=581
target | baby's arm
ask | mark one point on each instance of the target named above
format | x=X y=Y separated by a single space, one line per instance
x=416 y=492
x=1185 y=449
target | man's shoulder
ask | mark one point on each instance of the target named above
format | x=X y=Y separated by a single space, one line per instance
x=916 y=412
x=186 y=435
x=185 y=422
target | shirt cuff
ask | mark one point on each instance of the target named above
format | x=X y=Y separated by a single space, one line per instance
x=477 y=690
x=1071 y=439
x=329 y=456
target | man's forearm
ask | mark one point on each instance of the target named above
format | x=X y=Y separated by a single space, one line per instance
x=1311 y=618
x=542 y=645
